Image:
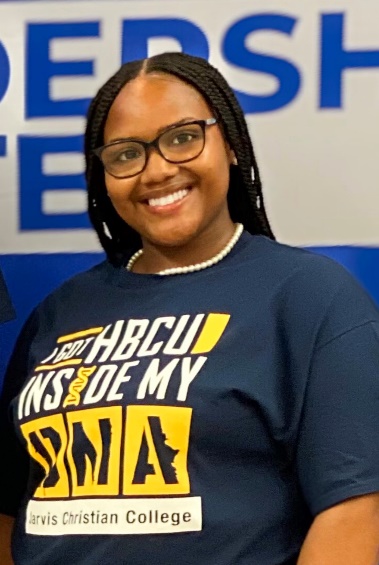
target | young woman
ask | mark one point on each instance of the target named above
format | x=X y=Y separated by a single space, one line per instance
x=206 y=395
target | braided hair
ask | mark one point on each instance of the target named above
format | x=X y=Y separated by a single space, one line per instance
x=245 y=199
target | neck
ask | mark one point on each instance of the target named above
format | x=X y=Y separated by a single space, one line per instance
x=206 y=245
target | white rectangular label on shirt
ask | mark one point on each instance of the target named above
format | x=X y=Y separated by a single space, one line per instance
x=113 y=516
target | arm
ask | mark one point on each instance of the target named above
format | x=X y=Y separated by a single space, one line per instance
x=6 y=526
x=338 y=451
x=346 y=534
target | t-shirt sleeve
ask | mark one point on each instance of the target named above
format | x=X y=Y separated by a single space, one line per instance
x=6 y=307
x=14 y=465
x=338 y=442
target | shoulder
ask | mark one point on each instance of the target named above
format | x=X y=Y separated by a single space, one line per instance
x=307 y=290
x=90 y=279
x=83 y=287
x=293 y=267
x=287 y=259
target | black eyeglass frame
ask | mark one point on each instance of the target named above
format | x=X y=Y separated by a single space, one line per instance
x=147 y=145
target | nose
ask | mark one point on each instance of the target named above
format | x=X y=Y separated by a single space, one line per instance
x=157 y=168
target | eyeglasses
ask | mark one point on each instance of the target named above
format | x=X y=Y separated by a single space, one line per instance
x=178 y=144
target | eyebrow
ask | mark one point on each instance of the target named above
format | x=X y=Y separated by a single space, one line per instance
x=159 y=131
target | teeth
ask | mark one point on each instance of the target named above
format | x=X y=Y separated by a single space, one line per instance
x=170 y=199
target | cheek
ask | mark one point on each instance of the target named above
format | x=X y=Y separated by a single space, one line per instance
x=215 y=164
x=119 y=191
x=216 y=176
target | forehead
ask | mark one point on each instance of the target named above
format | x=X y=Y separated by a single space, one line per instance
x=150 y=102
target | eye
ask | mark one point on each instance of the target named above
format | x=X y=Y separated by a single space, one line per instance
x=184 y=137
x=128 y=154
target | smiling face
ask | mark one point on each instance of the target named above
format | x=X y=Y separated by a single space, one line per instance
x=170 y=204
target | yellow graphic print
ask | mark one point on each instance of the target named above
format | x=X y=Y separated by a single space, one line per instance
x=63 y=357
x=47 y=443
x=79 y=335
x=80 y=452
x=77 y=386
x=211 y=333
x=156 y=450
x=68 y=363
x=94 y=450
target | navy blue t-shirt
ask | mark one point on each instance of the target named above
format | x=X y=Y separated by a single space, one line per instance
x=198 y=419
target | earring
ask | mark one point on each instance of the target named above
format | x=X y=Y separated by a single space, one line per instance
x=106 y=231
x=234 y=161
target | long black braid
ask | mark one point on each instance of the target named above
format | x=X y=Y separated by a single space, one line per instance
x=245 y=197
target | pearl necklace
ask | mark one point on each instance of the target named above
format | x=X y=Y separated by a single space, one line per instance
x=198 y=266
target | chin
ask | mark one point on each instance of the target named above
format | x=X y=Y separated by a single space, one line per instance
x=173 y=237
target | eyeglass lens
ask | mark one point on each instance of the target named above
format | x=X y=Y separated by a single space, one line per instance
x=178 y=144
